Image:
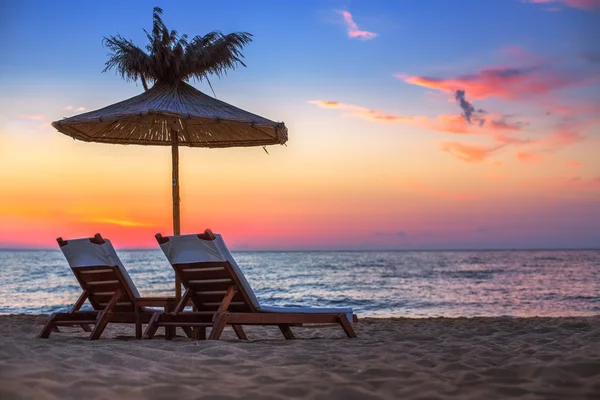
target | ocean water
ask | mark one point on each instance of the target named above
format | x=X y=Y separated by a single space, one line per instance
x=374 y=283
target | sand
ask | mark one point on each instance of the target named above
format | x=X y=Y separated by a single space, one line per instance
x=476 y=358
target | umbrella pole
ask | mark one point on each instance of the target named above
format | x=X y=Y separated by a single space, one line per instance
x=176 y=218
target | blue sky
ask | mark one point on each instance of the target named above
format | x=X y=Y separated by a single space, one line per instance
x=294 y=42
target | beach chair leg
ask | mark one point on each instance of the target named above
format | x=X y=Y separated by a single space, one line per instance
x=200 y=333
x=138 y=322
x=103 y=318
x=138 y=330
x=346 y=326
x=169 y=332
x=48 y=328
x=239 y=331
x=287 y=332
x=218 y=325
x=82 y=298
x=152 y=326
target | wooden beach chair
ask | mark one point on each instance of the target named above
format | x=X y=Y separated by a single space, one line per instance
x=222 y=296
x=108 y=288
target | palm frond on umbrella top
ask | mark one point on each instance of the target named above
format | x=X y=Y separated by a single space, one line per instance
x=170 y=58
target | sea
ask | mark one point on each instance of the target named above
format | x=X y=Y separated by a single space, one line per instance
x=416 y=284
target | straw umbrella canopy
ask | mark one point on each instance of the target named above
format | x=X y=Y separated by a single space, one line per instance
x=172 y=112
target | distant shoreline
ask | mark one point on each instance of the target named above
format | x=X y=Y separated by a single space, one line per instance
x=7 y=249
x=367 y=317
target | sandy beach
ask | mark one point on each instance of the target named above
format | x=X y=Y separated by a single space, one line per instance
x=475 y=358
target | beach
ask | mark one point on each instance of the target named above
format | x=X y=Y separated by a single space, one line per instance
x=428 y=358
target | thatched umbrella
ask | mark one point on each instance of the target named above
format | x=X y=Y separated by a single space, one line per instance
x=173 y=113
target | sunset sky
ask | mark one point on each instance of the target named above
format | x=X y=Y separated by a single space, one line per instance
x=425 y=124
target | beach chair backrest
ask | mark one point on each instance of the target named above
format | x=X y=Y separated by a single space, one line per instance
x=206 y=267
x=100 y=272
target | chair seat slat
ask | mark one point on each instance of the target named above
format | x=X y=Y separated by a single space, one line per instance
x=210 y=281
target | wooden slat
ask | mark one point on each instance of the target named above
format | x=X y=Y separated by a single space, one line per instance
x=182 y=324
x=119 y=304
x=76 y=317
x=236 y=307
x=199 y=265
x=103 y=287
x=211 y=281
x=74 y=322
x=187 y=317
x=128 y=316
x=155 y=301
x=93 y=276
x=200 y=287
x=204 y=273
x=210 y=292
x=96 y=268
x=124 y=309
x=102 y=298
x=204 y=297
x=99 y=301
x=192 y=314
x=233 y=303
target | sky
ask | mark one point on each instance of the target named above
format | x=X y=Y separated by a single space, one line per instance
x=425 y=124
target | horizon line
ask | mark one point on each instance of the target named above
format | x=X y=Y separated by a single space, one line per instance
x=340 y=250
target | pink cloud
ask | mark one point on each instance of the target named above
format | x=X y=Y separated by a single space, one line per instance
x=469 y=153
x=562 y=138
x=566 y=133
x=501 y=138
x=525 y=157
x=498 y=127
x=574 y=164
x=456 y=123
x=501 y=82
x=581 y=4
x=352 y=28
x=575 y=109
x=353 y=110
x=449 y=123
x=502 y=123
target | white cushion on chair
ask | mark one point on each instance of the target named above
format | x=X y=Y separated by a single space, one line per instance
x=83 y=253
x=187 y=249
